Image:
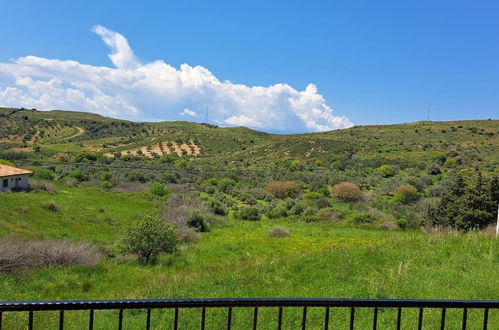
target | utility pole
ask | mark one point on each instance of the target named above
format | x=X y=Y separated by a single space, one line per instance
x=206 y=117
x=428 y=112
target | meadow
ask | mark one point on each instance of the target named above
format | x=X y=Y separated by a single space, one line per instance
x=238 y=259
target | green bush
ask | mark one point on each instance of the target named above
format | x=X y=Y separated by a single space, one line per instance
x=386 y=171
x=159 y=189
x=280 y=211
x=197 y=221
x=402 y=223
x=78 y=175
x=217 y=207
x=405 y=194
x=251 y=213
x=43 y=173
x=106 y=176
x=226 y=185
x=361 y=218
x=148 y=237
x=106 y=185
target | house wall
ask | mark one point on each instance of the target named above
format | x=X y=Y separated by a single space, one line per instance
x=22 y=182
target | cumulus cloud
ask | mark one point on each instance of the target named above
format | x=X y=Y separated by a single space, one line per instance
x=188 y=112
x=159 y=91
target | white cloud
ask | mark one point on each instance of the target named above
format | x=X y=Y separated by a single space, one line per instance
x=135 y=90
x=188 y=112
x=243 y=121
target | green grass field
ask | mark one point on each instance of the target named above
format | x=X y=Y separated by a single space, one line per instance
x=238 y=259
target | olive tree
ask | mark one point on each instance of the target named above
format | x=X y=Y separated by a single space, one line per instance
x=148 y=237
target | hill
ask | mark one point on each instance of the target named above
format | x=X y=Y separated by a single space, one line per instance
x=471 y=143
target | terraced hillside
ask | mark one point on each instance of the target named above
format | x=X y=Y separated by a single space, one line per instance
x=469 y=143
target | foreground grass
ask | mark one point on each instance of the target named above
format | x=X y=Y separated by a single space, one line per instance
x=86 y=213
x=238 y=259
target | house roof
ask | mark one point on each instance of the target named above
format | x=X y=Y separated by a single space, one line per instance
x=6 y=170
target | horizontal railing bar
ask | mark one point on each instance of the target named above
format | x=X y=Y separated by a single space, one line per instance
x=240 y=302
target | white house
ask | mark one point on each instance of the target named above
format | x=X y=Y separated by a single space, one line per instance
x=13 y=178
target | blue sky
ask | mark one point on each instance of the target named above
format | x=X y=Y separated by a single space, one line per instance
x=371 y=62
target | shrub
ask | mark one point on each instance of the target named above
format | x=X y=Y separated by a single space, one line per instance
x=226 y=185
x=44 y=174
x=197 y=221
x=322 y=203
x=434 y=169
x=217 y=207
x=65 y=253
x=251 y=213
x=106 y=176
x=347 y=191
x=361 y=218
x=405 y=194
x=386 y=171
x=106 y=185
x=51 y=206
x=279 y=232
x=16 y=254
x=42 y=186
x=402 y=223
x=283 y=189
x=159 y=189
x=148 y=237
x=78 y=175
x=63 y=158
x=280 y=211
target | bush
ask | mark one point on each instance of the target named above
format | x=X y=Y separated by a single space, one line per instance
x=16 y=254
x=42 y=186
x=51 y=206
x=106 y=185
x=386 y=171
x=361 y=218
x=279 y=232
x=217 y=207
x=322 y=203
x=106 y=176
x=405 y=194
x=347 y=191
x=43 y=173
x=197 y=221
x=280 y=211
x=283 y=189
x=78 y=175
x=226 y=185
x=402 y=223
x=434 y=169
x=148 y=237
x=251 y=213
x=159 y=189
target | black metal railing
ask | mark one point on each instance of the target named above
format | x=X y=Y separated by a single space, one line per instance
x=370 y=308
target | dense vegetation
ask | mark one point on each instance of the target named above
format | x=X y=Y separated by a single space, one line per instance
x=399 y=211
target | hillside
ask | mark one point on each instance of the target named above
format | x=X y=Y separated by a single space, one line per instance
x=473 y=143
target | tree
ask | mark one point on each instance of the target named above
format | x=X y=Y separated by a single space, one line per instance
x=148 y=237
x=467 y=206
